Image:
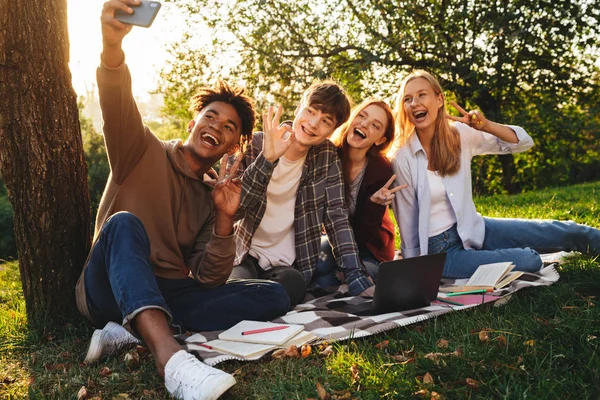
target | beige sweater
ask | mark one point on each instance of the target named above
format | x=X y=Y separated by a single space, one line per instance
x=151 y=179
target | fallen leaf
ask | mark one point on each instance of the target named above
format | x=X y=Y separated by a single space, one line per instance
x=121 y=396
x=542 y=321
x=569 y=307
x=65 y=354
x=278 y=354
x=484 y=336
x=591 y=337
x=382 y=345
x=326 y=351
x=82 y=394
x=472 y=383
x=437 y=358
x=132 y=359
x=519 y=360
x=292 y=352
x=457 y=353
x=427 y=379
x=530 y=343
x=149 y=393
x=501 y=340
x=436 y=396
x=442 y=344
x=34 y=358
x=105 y=371
x=422 y=392
x=141 y=350
x=342 y=395
x=305 y=350
x=321 y=392
x=355 y=373
x=61 y=366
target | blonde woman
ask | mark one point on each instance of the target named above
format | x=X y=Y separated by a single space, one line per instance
x=437 y=209
x=362 y=143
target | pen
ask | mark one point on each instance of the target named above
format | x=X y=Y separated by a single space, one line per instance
x=273 y=328
x=449 y=302
x=479 y=291
x=205 y=345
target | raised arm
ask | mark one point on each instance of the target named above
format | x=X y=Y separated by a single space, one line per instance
x=125 y=135
x=261 y=157
x=211 y=259
x=488 y=137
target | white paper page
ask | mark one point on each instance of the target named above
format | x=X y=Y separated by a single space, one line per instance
x=488 y=274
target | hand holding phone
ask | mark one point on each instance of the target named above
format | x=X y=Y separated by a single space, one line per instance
x=143 y=14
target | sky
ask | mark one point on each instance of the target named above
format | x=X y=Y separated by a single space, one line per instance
x=144 y=47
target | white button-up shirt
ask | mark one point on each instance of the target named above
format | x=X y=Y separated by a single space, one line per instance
x=412 y=204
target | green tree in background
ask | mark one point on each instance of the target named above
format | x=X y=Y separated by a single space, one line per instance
x=515 y=60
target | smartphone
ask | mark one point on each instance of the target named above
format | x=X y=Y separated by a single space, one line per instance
x=143 y=14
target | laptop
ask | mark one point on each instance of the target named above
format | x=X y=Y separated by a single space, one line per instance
x=408 y=283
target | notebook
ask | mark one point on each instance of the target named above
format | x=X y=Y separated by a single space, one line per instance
x=408 y=283
x=253 y=350
x=261 y=332
x=487 y=276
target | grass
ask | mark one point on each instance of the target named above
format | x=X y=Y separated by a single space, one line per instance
x=543 y=344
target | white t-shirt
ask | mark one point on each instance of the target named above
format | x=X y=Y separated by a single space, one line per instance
x=442 y=215
x=273 y=243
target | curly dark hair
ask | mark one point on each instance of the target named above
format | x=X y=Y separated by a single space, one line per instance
x=230 y=94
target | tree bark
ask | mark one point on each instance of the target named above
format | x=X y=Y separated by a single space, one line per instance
x=41 y=155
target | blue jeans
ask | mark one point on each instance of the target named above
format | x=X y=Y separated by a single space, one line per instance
x=325 y=272
x=120 y=283
x=514 y=240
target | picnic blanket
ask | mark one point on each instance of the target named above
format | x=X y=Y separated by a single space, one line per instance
x=337 y=316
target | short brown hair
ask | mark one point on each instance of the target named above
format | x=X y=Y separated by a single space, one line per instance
x=330 y=98
x=233 y=95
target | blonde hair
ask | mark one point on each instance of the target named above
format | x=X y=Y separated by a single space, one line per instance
x=341 y=134
x=445 y=149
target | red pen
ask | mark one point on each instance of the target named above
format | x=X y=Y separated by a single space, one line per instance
x=205 y=345
x=273 y=328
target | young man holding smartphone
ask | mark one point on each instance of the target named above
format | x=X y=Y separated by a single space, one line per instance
x=293 y=185
x=158 y=223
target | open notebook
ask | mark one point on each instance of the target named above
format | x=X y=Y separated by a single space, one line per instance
x=487 y=276
x=252 y=350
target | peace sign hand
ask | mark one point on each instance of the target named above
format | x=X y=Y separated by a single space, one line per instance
x=474 y=119
x=227 y=191
x=385 y=196
x=277 y=138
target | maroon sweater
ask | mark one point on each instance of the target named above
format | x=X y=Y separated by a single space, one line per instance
x=372 y=225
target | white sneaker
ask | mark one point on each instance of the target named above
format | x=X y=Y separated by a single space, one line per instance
x=107 y=340
x=187 y=378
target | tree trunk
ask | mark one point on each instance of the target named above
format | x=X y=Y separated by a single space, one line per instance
x=41 y=155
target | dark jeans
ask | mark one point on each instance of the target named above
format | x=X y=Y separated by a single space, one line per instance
x=325 y=273
x=120 y=283
x=291 y=279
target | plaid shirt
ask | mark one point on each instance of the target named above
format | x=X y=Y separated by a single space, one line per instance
x=319 y=200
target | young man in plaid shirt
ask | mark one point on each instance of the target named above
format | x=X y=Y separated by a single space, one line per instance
x=292 y=185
